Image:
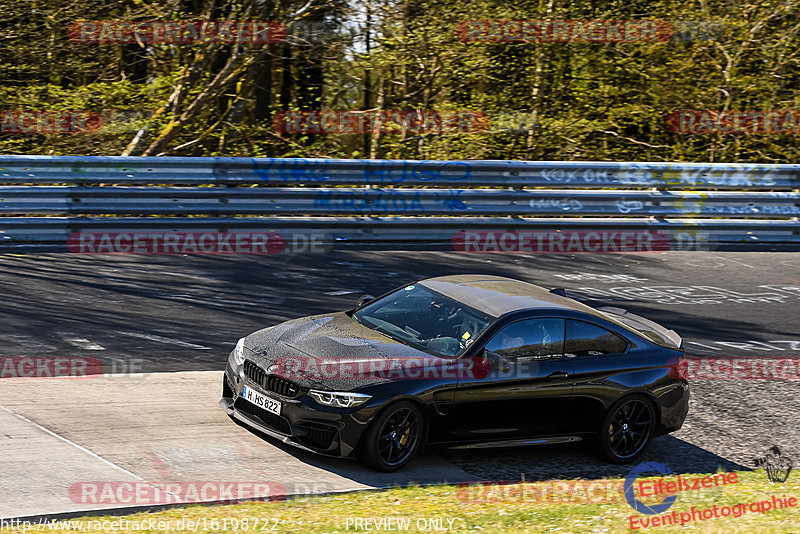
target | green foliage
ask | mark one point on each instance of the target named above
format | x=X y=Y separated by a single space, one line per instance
x=581 y=100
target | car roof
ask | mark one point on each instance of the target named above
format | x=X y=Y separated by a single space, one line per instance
x=498 y=295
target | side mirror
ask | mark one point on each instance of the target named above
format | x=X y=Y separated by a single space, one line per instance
x=365 y=299
x=495 y=362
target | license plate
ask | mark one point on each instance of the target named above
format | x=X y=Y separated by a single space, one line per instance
x=262 y=401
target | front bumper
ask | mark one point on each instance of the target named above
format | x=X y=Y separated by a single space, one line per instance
x=303 y=423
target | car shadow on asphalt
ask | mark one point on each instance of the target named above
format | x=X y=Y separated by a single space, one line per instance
x=577 y=460
x=543 y=462
x=425 y=469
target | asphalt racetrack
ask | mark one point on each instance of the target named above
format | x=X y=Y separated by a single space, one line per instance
x=172 y=320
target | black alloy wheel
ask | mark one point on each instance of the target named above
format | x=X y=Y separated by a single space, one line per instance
x=627 y=429
x=393 y=438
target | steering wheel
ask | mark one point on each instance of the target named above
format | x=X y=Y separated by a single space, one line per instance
x=453 y=315
x=389 y=326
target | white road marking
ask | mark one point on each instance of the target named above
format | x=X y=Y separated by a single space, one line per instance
x=83 y=343
x=701 y=345
x=739 y=262
x=343 y=292
x=162 y=339
x=204 y=279
x=65 y=440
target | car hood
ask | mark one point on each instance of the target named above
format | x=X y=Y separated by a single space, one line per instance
x=336 y=352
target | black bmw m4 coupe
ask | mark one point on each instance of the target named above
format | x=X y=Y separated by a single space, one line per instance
x=460 y=361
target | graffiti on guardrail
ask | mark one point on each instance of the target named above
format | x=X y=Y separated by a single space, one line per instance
x=711 y=176
x=564 y=204
x=628 y=206
x=371 y=171
x=386 y=171
x=394 y=172
x=751 y=209
x=424 y=188
x=388 y=200
x=640 y=174
x=593 y=176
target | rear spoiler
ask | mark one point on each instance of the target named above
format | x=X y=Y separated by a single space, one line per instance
x=649 y=329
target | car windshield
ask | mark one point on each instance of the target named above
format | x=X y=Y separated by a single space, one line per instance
x=418 y=316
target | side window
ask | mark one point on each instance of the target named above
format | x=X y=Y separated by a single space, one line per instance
x=585 y=339
x=530 y=338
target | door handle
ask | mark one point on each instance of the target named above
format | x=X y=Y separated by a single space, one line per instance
x=558 y=374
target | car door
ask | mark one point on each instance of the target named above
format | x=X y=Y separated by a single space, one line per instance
x=527 y=398
x=596 y=355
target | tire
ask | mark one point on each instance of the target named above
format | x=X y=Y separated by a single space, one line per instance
x=627 y=429
x=393 y=438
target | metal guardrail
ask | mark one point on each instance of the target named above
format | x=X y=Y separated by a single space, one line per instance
x=475 y=206
x=275 y=171
x=47 y=200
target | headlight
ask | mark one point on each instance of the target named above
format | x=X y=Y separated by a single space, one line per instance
x=340 y=399
x=238 y=352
